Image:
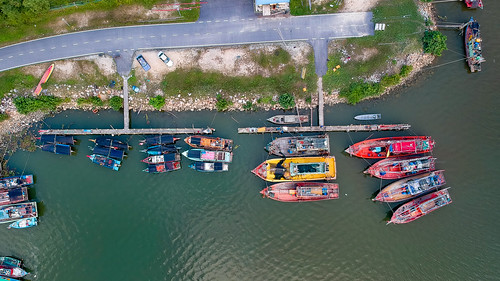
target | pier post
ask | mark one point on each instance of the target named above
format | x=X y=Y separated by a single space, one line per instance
x=126 y=113
x=321 y=104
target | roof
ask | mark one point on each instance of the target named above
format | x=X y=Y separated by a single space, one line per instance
x=268 y=2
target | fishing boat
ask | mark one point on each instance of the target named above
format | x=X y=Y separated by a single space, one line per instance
x=163 y=168
x=288 y=119
x=159 y=139
x=421 y=206
x=107 y=142
x=11 y=262
x=161 y=149
x=45 y=77
x=208 y=155
x=8 y=279
x=301 y=191
x=474 y=4
x=411 y=187
x=109 y=152
x=211 y=143
x=162 y=158
x=57 y=148
x=297 y=169
x=14 y=272
x=14 y=212
x=104 y=161
x=11 y=182
x=13 y=195
x=397 y=168
x=391 y=147
x=300 y=146
x=209 y=167
x=473 y=45
x=368 y=117
x=24 y=223
x=57 y=139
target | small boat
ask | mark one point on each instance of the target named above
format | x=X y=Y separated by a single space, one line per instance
x=57 y=139
x=14 y=272
x=208 y=155
x=109 y=152
x=159 y=139
x=411 y=187
x=162 y=158
x=421 y=206
x=473 y=4
x=45 y=77
x=13 y=195
x=301 y=191
x=473 y=46
x=11 y=182
x=104 y=161
x=163 y=168
x=8 y=279
x=300 y=146
x=211 y=143
x=18 y=211
x=161 y=149
x=391 y=147
x=57 y=148
x=397 y=168
x=368 y=117
x=24 y=223
x=297 y=169
x=288 y=119
x=210 y=167
x=107 y=142
x=10 y=262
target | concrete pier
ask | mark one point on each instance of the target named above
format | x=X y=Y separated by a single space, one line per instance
x=318 y=129
x=113 y=132
x=321 y=103
x=126 y=110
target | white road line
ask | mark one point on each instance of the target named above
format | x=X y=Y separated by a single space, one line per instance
x=20 y=54
x=174 y=34
x=226 y=20
x=322 y=38
x=75 y=44
x=163 y=36
x=86 y=42
x=62 y=46
x=230 y=32
x=152 y=36
x=197 y=34
x=109 y=39
x=141 y=37
x=1 y=59
x=200 y=21
x=110 y=51
x=219 y=32
x=250 y=19
x=186 y=34
x=31 y=52
x=119 y=38
x=52 y=48
x=41 y=50
x=297 y=28
x=11 y=57
x=263 y=30
x=217 y=21
x=97 y=41
x=308 y=27
x=118 y=50
x=233 y=20
x=209 y=21
x=242 y=19
x=130 y=37
x=208 y=33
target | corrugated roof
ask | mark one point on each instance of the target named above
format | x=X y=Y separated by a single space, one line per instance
x=268 y=2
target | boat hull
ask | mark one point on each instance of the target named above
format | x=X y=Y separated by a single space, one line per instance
x=421 y=206
x=288 y=119
x=104 y=161
x=474 y=4
x=162 y=158
x=161 y=149
x=210 y=143
x=158 y=140
x=391 y=147
x=14 y=272
x=368 y=117
x=210 y=167
x=13 y=195
x=297 y=169
x=24 y=223
x=473 y=46
x=300 y=146
x=301 y=191
x=203 y=155
x=12 y=182
x=397 y=168
x=15 y=212
x=163 y=168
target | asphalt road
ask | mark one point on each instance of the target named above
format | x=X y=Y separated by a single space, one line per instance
x=222 y=29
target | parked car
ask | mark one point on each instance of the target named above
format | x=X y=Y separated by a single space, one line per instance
x=145 y=65
x=165 y=59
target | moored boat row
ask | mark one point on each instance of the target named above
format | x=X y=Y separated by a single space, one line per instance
x=14 y=206
x=108 y=152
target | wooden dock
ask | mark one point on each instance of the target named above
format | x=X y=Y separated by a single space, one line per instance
x=116 y=132
x=314 y=129
x=126 y=109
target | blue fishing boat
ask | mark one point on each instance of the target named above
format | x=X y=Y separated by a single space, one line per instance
x=15 y=272
x=208 y=155
x=209 y=167
x=24 y=223
x=12 y=262
x=161 y=149
x=14 y=212
x=158 y=159
x=104 y=161
x=107 y=142
x=57 y=148
x=13 y=195
x=8 y=279
x=11 y=182
x=57 y=139
x=109 y=152
x=158 y=139
x=163 y=168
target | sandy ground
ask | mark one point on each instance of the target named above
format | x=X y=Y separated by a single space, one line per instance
x=358 y=5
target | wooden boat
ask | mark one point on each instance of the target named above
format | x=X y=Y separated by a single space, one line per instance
x=14 y=212
x=411 y=187
x=57 y=139
x=104 y=161
x=11 y=262
x=8 y=279
x=45 y=77
x=297 y=169
x=107 y=142
x=57 y=148
x=391 y=147
x=162 y=158
x=210 y=143
x=288 y=119
x=159 y=139
x=301 y=191
x=208 y=155
x=11 y=182
x=24 y=223
x=368 y=117
x=13 y=272
x=300 y=146
x=397 y=168
x=161 y=149
x=473 y=41
x=163 y=168
x=109 y=152
x=210 y=167
x=473 y=4
x=13 y=195
x=421 y=206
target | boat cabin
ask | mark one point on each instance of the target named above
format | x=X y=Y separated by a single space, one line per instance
x=307 y=168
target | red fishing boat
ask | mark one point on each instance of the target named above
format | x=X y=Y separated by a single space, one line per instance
x=421 y=206
x=391 y=147
x=44 y=79
x=473 y=4
x=397 y=168
x=301 y=191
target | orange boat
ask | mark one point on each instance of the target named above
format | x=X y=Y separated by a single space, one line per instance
x=210 y=143
x=44 y=79
x=391 y=147
x=397 y=168
x=301 y=191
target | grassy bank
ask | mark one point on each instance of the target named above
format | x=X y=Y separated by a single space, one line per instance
x=301 y=7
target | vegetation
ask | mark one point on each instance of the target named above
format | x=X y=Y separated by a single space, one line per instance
x=116 y=103
x=95 y=101
x=390 y=80
x=222 y=104
x=3 y=117
x=157 y=102
x=286 y=101
x=250 y=106
x=405 y=70
x=360 y=90
x=434 y=42
x=28 y=143
x=15 y=79
x=25 y=105
x=279 y=56
x=133 y=79
x=301 y=7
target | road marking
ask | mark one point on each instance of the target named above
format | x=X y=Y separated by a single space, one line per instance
x=322 y=38
x=186 y=34
x=308 y=27
x=110 y=52
x=119 y=38
x=250 y=19
x=152 y=36
x=75 y=44
x=124 y=50
x=219 y=32
x=197 y=34
x=52 y=48
x=297 y=28
x=233 y=20
x=97 y=41
x=163 y=36
x=20 y=54
x=217 y=21
x=208 y=33
x=118 y=51
x=230 y=32
x=174 y=34
x=209 y=21
x=200 y=21
x=41 y=50
x=109 y=39
x=62 y=46
x=130 y=37
x=11 y=57
x=226 y=20
x=241 y=31
x=1 y=59
x=31 y=52
x=141 y=37
x=86 y=42
x=242 y=19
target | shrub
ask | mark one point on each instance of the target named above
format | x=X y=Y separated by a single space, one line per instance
x=390 y=80
x=25 y=105
x=222 y=104
x=3 y=117
x=286 y=101
x=116 y=103
x=309 y=100
x=405 y=70
x=360 y=90
x=95 y=101
x=434 y=42
x=157 y=102
x=249 y=106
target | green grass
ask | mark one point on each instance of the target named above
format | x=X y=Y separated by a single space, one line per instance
x=301 y=7
x=279 y=56
x=25 y=105
x=15 y=79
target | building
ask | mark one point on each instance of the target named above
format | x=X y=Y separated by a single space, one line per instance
x=272 y=7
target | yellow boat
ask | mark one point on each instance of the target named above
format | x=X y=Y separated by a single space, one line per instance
x=297 y=169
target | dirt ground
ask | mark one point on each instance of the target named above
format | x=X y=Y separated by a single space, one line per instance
x=358 y=5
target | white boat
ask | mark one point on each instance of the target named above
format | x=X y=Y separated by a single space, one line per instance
x=288 y=119
x=367 y=117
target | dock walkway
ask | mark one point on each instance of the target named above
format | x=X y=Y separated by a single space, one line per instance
x=346 y=128
x=113 y=132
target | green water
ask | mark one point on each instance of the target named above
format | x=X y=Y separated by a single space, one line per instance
x=97 y=224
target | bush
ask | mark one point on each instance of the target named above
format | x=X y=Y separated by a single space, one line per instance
x=405 y=70
x=434 y=42
x=249 y=106
x=222 y=104
x=3 y=117
x=25 y=105
x=15 y=79
x=95 y=101
x=390 y=80
x=157 y=102
x=360 y=90
x=286 y=101
x=116 y=103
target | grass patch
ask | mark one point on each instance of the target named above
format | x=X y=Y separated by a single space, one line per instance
x=15 y=79
x=3 y=117
x=301 y=7
x=157 y=102
x=25 y=105
x=94 y=101
x=222 y=104
x=116 y=103
x=279 y=56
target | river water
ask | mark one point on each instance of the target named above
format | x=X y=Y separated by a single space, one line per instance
x=97 y=224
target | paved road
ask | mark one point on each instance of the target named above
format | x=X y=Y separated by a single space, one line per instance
x=230 y=30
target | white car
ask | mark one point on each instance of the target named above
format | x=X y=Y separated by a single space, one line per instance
x=165 y=59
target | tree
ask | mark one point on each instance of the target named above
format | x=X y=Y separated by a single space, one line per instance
x=286 y=101
x=33 y=8
x=157 y=102
x=116 y=103
x=222 y=104
x=434 y=42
